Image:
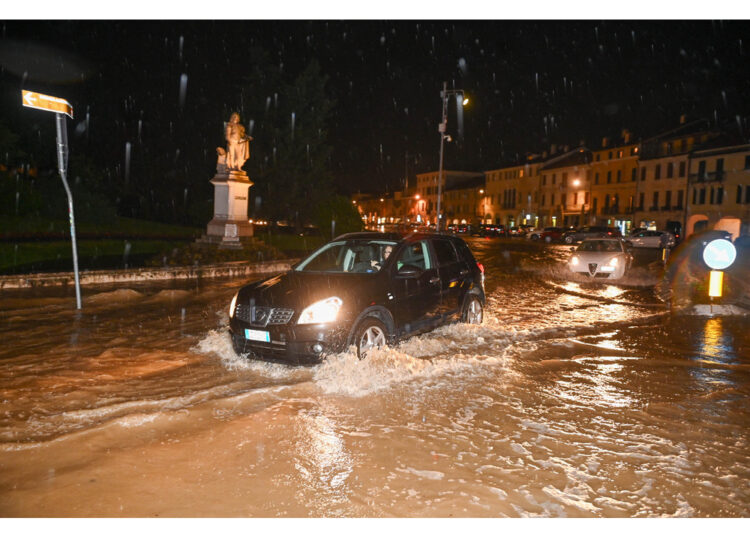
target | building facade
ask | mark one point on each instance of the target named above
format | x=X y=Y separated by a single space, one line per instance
x=689 y=179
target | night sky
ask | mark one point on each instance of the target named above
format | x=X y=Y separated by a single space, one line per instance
x=531 y=84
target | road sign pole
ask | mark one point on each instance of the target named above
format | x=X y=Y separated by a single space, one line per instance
x=62 y=166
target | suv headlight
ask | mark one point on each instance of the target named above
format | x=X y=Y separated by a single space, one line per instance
x=321 y=311
x=232 y=305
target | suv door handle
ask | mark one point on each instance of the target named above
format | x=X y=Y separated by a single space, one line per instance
x=434 y=280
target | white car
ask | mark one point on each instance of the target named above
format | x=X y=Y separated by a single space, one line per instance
x=652 y=239
x=601 y=257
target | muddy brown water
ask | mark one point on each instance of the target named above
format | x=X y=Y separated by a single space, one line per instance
x=572 y=399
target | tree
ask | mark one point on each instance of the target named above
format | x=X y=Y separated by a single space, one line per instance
x=290 y=155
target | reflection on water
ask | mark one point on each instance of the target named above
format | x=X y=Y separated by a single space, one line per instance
x=571 y=399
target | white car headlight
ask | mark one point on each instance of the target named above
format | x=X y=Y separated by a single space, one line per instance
x=232 y=305
x=321 y=311
x=574 y=261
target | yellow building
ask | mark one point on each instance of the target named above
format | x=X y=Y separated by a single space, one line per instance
x=719 y=189
x=510 y=195
x=612 y=180
x=564 y=189
x=427 y=190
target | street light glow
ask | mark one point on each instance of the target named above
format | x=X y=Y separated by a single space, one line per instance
x=466 y=101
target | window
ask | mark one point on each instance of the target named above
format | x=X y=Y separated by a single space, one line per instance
x=609 y=177
x=719 y=195
x=552 y=200
x=682 y=169
x=596 y=178
x=680 y=195
x=656 y=201
x=643 y=173
x=542 y=200
x=633 y=174
x=445 y=252
x=670 y=170
x=595 y=204
x=554 y=178
x=747 y=194
x=719 y=169
x=563 y=199
x=544 y=180
x=739 y=194
x=657 y=172
x=702 y=170
x=641 y=200
x=415 y=255
x=565 y=178
x=702 y=196
x=668 y=200
x=619 y=175
x=747 y=162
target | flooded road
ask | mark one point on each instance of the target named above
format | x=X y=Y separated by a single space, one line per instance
x=572 y=399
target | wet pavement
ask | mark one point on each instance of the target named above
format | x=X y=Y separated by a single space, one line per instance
x=573 y=398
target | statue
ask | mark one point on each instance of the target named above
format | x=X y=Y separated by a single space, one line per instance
x=238 y=146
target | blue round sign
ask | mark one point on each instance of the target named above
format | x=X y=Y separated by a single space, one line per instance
x=719 y=254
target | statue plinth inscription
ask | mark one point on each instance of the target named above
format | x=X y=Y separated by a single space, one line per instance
x=231 y=186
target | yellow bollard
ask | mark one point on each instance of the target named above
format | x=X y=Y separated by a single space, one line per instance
x=715 y=283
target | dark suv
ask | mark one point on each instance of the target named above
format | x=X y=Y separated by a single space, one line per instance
x=361 y=289
x=590 y=231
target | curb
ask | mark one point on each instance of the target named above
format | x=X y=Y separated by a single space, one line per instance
x=98 y=277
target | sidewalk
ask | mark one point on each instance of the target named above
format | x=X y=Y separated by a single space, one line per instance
x=96 y=277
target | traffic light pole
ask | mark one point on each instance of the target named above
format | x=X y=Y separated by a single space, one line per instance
x=62 y=166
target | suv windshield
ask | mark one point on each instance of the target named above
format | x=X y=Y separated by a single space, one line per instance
x=354 y=256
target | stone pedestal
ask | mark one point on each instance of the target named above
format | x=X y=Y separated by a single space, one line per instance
x=230 y=223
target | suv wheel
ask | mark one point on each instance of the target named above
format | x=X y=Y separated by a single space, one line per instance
x=473 y=311
x=371 y=333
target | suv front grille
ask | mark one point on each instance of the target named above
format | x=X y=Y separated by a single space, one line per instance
x=263 y=316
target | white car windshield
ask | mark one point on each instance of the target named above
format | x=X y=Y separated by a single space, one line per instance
x=600 y=245
x=350 y=256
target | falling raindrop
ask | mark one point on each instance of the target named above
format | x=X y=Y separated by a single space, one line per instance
x=183 y=89
x=182 y=42
x=293 y=118
x=127 y=161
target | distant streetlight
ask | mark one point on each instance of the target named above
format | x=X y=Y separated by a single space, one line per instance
x=443 y=136
x=576 y=182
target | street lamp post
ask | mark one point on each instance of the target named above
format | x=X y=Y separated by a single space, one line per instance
x=442 y=129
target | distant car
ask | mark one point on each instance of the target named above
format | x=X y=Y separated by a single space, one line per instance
x=590 y=231
x=601 y=257
x=643 y=238
x=548 y=234
x=491 y=229
x=361 y=289
x=459 y=228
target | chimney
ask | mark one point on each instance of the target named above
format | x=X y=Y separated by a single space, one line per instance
x=605 y=142
x=626 y=136
x=553 y=149
x=683 y=119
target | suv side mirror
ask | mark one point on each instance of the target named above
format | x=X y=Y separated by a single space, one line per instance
x=409 y=271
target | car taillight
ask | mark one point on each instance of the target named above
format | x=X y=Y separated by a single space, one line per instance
x=481 y=268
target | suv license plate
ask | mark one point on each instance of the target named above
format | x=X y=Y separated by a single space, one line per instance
x=257 y=335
